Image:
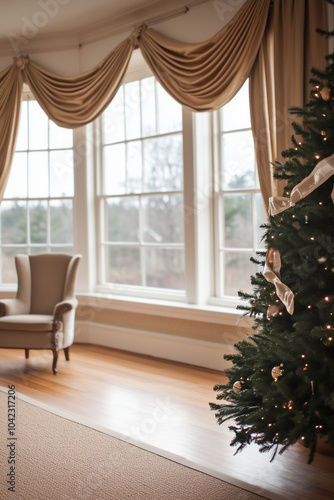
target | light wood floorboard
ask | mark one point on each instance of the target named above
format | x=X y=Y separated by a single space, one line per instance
x=164 y=405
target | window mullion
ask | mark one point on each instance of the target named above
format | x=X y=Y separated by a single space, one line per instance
x=190 y=216
x=141 y=242
x=28 y=226
x=48 y=235
x=218 y=235
x=254 y=221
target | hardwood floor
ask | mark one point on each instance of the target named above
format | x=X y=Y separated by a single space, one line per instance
x=164 y=405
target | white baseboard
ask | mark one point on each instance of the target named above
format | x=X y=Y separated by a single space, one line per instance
x=173 y=348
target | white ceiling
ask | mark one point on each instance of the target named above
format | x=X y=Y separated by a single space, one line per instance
x=31 y=21
x=62 y=15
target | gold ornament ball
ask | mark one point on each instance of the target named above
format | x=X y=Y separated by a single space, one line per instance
x=237 y=386
x=276 y=372
x=325 y=93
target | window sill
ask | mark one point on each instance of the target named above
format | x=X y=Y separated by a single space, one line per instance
x=179 y=310
x=212 y=313
x=8 y=291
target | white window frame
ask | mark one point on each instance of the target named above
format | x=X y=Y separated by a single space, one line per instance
x=188 y=194
x=48 y=246
x=201 y=196
x=220 y=298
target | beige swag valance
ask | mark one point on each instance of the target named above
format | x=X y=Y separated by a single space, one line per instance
x=201 y=76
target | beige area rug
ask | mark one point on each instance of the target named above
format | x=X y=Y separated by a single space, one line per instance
x=49 y=456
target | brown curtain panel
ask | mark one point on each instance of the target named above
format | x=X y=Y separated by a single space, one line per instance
x=11 y=85
x=280 y=77
x=205 y=76
x=75 y=101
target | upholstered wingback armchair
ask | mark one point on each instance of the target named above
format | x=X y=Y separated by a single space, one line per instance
x=43 y=312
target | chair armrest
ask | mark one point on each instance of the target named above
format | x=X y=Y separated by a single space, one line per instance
x=10 y=307
x=63 y=317
x=63 y=307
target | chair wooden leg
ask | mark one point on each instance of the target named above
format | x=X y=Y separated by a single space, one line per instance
x=26 y=353
x=67 y=353
x=55 y=359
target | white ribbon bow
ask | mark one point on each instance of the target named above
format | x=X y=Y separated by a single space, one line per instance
x=271 y=273
x=321 y=172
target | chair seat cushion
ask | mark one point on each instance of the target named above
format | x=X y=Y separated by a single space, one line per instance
x=27 y=322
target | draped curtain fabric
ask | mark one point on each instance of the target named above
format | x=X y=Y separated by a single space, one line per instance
x=205 y=76
x=11 y=85
x=75 y=101
x=70 y=102
x=280 y=77
x=202 y=76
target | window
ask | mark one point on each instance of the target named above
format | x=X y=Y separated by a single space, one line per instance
x=142 y=228
x=238 y=204
x=36 y=214
x=166 y=226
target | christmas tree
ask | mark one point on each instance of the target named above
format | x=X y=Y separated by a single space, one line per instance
x=280 y=387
